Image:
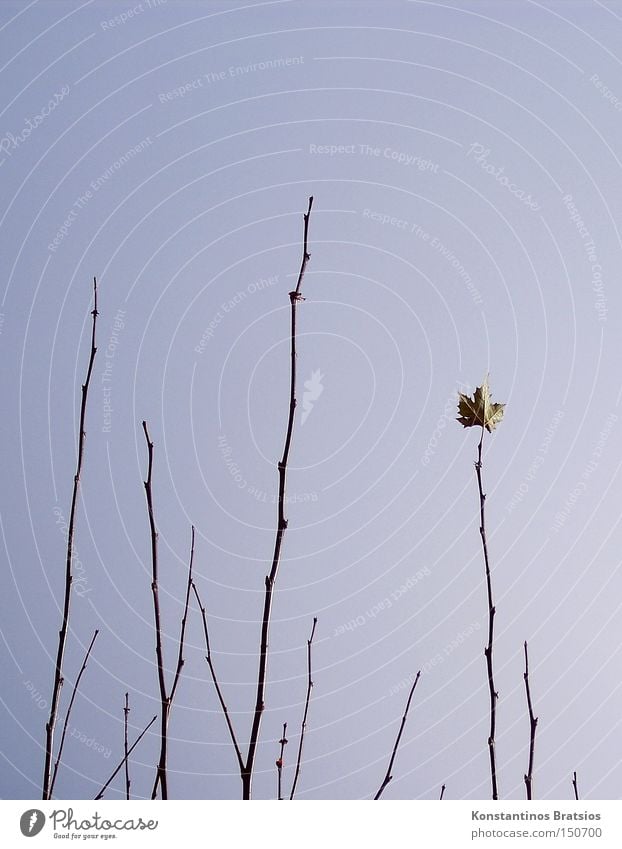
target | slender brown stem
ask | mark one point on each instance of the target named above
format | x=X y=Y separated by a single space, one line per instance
x=125 y=757
x=166 y=698
x=279 y=764
x=440 y=798
x=65 y=723
x=182 y=635
x=574 y=786
x=126 y=713
x=491 y=619
x=210 y=664
x=304 y=717
x=62 y=635
x=388 y=777
x=533 y=724
x=294 y=298
x=161 y=777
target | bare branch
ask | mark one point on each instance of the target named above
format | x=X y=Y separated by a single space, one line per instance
x=440 y=798
x=73 y=695
x=166 y=699
x=491 y=619
x=304 y=717
x=294 y=298
x=208 y=658
x=180 y=657
x=161 y=777
x=574 y=786
x=62 y=635
x=279 y=764
x=100 y=795
x=388 y=777
x=126 y=713
x=533 y=724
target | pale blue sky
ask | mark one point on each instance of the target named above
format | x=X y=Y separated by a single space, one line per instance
x=464 y=161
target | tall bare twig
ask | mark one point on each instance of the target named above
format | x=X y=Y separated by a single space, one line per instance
x=100 y=795
x=126 y=713
x=166 y=698
x=575 y=786
x=388 y=777
x=68 y=714
x=491 y=621
x=440 y=798
x=306 y=710
x=294 y=297
x=279 y=764
x=62 y=635
x=212 y=670
x=533 y=724
x=480 y=411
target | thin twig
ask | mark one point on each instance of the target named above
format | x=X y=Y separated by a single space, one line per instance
x=304 y=717
x=62 y=635
x=279 y=764
x=210 y=664
x=126 y=713
x=166 y=698
x=161 y=777
x=491 y=618
x=294 y=297
x=388 y=777
x=574 y=786
x=127 y=754
x=71 y=700
x=180 y=656
x=440 y=798
x=533 y=724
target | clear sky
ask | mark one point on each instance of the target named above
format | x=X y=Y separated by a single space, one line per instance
x=464 y=158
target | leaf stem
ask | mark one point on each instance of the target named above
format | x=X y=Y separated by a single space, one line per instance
x=491 y=619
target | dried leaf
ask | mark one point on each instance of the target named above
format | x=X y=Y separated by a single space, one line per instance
x=479 y=411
